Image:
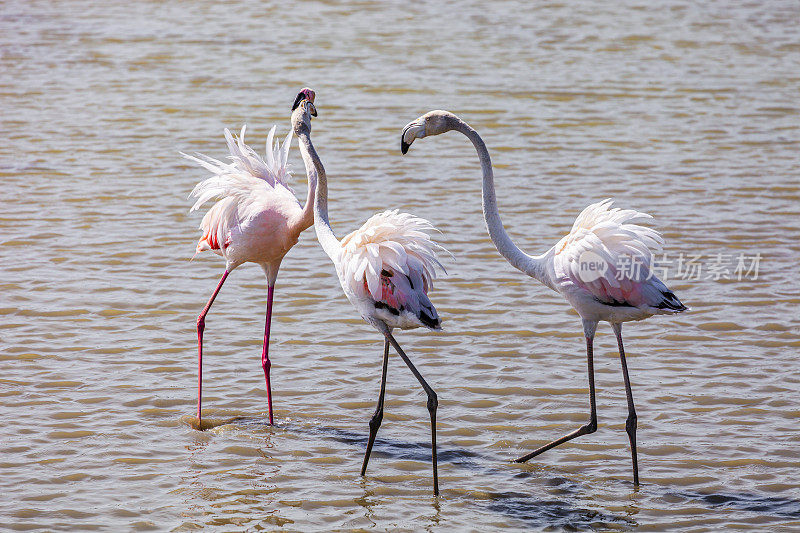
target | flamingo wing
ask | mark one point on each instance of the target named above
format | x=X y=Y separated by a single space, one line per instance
x=622 y=251
x=392 y=261
x=238 y=186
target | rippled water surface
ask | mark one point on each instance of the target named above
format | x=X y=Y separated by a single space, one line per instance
x=683 y=110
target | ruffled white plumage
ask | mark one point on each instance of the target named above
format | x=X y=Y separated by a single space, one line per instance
x=626 y=247
x=397 y=244
x=239 y=186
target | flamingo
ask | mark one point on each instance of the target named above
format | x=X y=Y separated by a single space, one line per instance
x=256 y=219
x=385 y=268
x=587 y=267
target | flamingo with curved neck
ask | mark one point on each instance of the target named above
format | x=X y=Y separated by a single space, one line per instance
x=604 y=236
x=256 y=219
x=385 y=268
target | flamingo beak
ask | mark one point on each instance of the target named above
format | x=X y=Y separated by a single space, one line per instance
x=304 y=94
x=300 y=98
x=414 y=130
x=312 y=109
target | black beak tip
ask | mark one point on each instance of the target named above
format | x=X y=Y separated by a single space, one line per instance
x=297 y=100
x=404 y=146
x=313 y=111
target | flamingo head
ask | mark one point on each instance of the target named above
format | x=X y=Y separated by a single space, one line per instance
x=431 y=123
x=305 y=94
x=302 y=112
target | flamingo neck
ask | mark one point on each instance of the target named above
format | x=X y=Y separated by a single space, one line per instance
x=306 y=217
x=534 y=266
x=319 y=198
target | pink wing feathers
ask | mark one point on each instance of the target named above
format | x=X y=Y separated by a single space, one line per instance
x=238 y=186
x=614 y=237
x=392 y=260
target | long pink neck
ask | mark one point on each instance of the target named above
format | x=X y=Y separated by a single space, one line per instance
x=306 y=218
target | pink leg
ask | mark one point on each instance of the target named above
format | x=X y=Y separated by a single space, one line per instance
x=201 y=326
x=265 y=362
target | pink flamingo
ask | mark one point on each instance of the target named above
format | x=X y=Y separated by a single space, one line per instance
x=385 y=268
x=256 y=219
x=587 y=267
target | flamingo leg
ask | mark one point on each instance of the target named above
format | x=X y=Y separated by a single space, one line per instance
x=266 y=364
x=377 y=418
x=433 y=403
x=630 y=423
x=591 y=427
x=201 y=326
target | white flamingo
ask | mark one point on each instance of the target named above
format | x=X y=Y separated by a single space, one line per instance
x=256 y=219
x=386 y=268
x=619 y=289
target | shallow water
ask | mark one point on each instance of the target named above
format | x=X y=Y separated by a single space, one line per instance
x=688 y=113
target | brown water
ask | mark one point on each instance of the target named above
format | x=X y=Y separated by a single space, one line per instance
x=689 y=113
